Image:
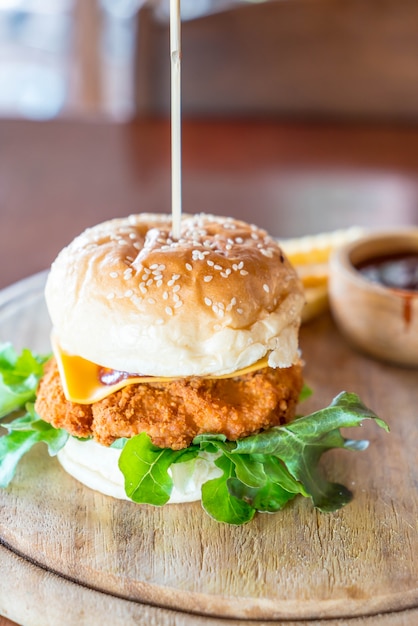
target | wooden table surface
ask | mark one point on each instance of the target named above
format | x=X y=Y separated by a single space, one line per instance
x=59 y=177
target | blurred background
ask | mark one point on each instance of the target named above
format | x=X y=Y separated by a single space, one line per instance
x=78 y=57
x=306 y=58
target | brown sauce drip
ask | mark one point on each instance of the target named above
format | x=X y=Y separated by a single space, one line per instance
x=108 y=376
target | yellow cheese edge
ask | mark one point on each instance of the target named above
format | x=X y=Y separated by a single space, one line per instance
x=81 y=384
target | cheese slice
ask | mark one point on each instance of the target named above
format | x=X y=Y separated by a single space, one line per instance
x=81 y=382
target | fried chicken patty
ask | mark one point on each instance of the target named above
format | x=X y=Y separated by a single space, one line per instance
x=173 y=413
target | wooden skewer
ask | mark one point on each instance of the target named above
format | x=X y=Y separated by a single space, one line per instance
x=175 y=54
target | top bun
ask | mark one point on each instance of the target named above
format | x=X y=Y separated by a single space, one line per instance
x=126 y=296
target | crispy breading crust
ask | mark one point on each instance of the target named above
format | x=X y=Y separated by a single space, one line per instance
x=173 y=413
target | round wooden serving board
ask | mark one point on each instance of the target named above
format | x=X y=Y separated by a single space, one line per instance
x=77 y=550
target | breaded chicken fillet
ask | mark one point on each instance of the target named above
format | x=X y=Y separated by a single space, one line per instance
x=173 y=413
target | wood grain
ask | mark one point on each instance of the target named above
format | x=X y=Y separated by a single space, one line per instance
x=298 y=564
x=65 y=603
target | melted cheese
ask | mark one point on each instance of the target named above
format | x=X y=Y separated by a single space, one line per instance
x=81 y=378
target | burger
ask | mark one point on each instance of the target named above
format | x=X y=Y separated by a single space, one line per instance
x=176 y=372
x=174 y=338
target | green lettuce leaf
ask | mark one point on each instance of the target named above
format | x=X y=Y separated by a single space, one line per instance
x=300 y=445
x=145 y=469
x=269 y=498
x=19 y=377
x=220 y=503
x=24 y=433
x=259 y=473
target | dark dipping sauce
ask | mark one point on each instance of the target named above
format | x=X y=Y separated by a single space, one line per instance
x=396 y=271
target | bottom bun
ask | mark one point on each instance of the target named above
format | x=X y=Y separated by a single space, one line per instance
x=96 y=466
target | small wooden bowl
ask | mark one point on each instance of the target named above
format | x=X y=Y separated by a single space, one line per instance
x=382 y=321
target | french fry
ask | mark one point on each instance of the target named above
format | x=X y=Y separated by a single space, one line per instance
x=310 y=256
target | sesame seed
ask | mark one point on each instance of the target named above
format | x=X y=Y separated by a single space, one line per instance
x=149 y=282
x=153 y=266
x=144 y=277
x=243 y=272
x=268 y=253
x=266 y=288
x=113 y=274
x=176 y=297
x=210 y=263
x=129 y=293
x=176 y=288
x=137 y=245
x=208 y=301
x=170 y=283
x=241 y=265
x=159 y=283
x=217 y=267
x=178 y=304
x=189 y=267
x=169 y=310
x=239 y=240
x=165 y=295
x=151 y=300
x=142 y=288
x=207 y=279
x=240 y=311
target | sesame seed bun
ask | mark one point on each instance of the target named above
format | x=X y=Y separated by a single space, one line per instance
x=126 y=296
